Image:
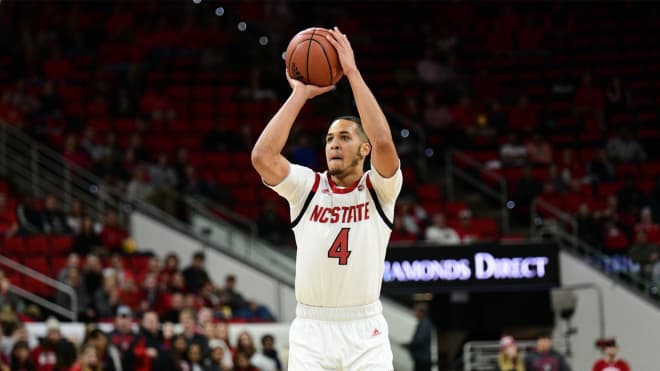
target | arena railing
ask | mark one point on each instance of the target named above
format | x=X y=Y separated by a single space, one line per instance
x=467 y=172
x=565 y=231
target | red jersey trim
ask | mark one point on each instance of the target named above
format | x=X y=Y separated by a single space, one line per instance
x=336 y=189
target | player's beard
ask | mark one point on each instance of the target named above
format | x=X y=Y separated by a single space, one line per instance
x=354 y=163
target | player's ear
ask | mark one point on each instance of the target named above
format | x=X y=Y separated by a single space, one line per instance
x=365 y=149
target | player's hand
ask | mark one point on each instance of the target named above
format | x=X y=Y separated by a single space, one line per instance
x=308 y=90
x=344 y=51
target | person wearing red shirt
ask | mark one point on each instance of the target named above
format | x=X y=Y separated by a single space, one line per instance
x=648 y=226
x=610 y=360
x=113 y=235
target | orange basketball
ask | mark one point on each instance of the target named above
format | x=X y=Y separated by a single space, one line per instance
x=311 y=58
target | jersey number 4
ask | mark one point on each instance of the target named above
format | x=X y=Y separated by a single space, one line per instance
x=339 y=248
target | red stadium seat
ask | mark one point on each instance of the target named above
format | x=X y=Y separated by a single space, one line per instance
x=60 y=244
x=36 y=245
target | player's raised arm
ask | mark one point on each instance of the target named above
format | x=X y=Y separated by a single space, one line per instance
x=383 y=153
x=267 y=156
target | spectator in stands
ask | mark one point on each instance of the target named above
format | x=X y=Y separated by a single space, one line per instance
x=136 y=146
x=181 y=162
x=526 y=188
x=231 y=297
x=610 y=360
x=151 y=295
x=177 y=353
x=245 y=345
x=513 y=152
x=29 y=218
x=508 y=358
x=54 y=351
x=123 y=337
x=270 y=225
x=8 y=300
x=642 y=253
x=92 y=274
x=242 y=363
x=214 y=361
x=8 y=219
x=647 y=225
x=625 y=148
x=139 y=187
x=268 y=349
x=195 y=274
x=113 y=234
x=72 y=262
x=465 y=229
x=109 y=357
x=600 y=168
x=75 y=216
x=254 y=90
x=124 y=277
x=556 y=180
x=615 y=241
x=73 y=155
x=87 y=240
x=523 y=117
x=539 y=151
x=149 y=348
x=439 y=232
x=220 y=334
x=430 y=71
x=655 y=267
x=88 y=360
x=123 y=104
x=50 y=103
x=73 y=278
x=163 y=178
x=175 y=307
x=619 y=98
x=587 y=228
x=437 y=117
x=194 y=357
x=190 y=331
x=107 y=299
x=544 y=358
x=413 y=215
x=54 y=220
x=19 y=358
x=170 y=266
x=589 y=102
x=420 y=344
x=630 y=196
x=400 y=233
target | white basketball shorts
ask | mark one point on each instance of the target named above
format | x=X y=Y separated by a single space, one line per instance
x=342 y=339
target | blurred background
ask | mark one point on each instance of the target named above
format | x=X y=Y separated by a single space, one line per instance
x=131 y=217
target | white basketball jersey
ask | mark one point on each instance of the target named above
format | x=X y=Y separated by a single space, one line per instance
x=341 y=235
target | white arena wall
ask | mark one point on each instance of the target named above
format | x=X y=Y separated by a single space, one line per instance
x=633 y=321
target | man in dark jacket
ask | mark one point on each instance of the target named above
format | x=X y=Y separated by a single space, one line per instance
x=544 y=358
x=420 y=344
x=150 y=351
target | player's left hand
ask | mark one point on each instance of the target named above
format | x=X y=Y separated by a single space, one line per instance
x=344 y=51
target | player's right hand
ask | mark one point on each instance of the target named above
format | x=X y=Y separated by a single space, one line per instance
x=309 y=91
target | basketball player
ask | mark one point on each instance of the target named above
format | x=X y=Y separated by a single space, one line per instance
x=342 y=220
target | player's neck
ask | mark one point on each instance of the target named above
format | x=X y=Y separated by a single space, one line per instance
x=346 y=180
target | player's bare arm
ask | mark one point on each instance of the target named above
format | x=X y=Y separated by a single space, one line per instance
x=267 y=156
x=383 y=154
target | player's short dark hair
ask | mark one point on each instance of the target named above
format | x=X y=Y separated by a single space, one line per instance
x=358 y=124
